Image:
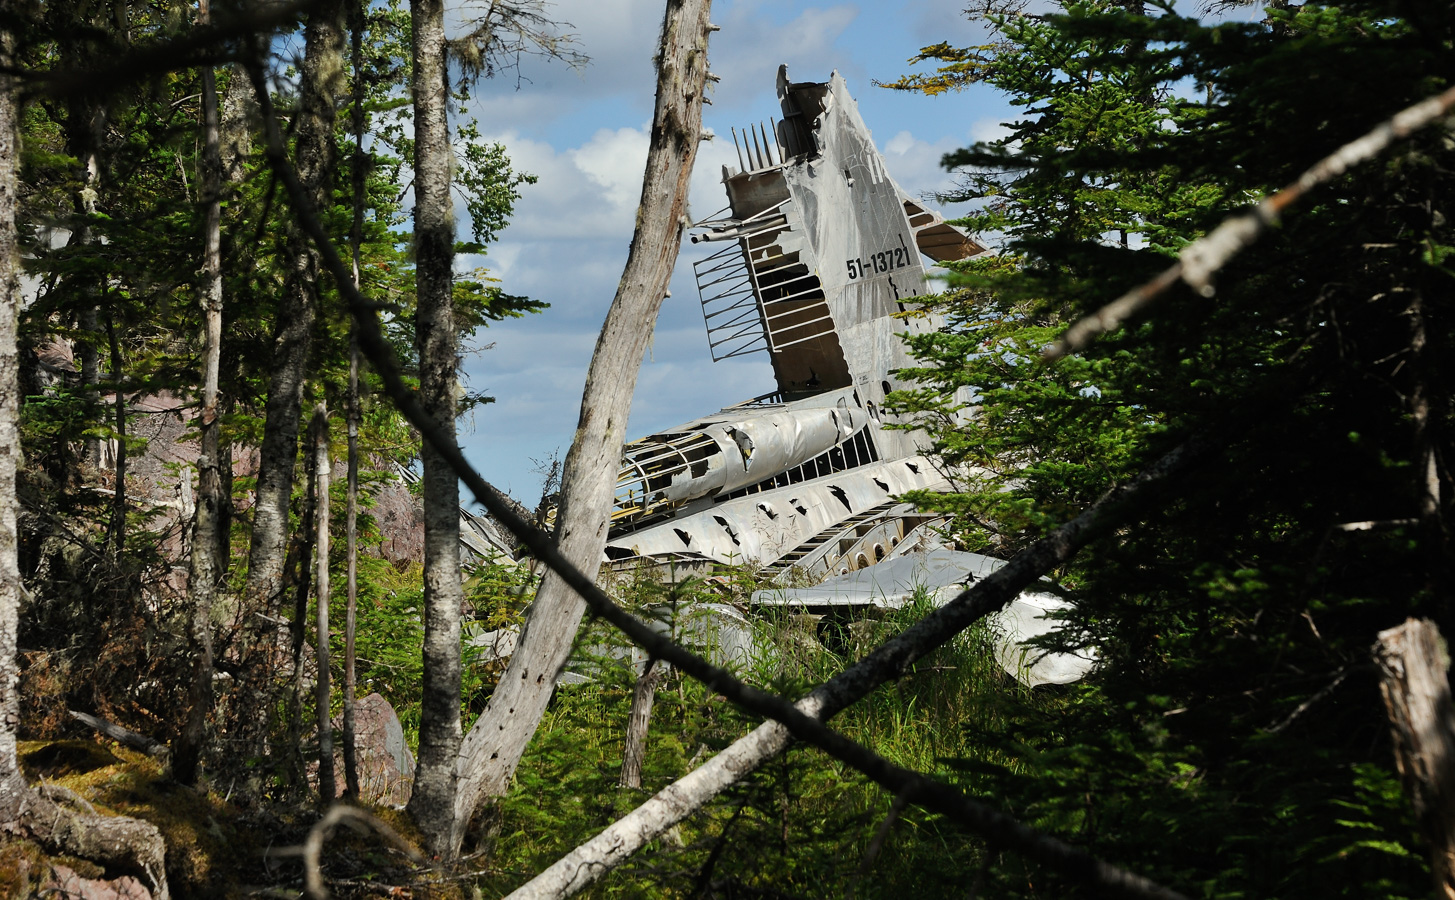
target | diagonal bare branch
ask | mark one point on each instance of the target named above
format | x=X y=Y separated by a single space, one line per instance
x=889 y=660
x=1201 y=259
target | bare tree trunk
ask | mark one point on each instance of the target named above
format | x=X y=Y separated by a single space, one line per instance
x=209 y=558
x=1414 y=661
x=320 y=85
x=13 y=790
x=356 y=242
x=116 y=532
x=498 y=740
x=322 y=470
x=432 y=802
x=638 y=722
x=299 y=563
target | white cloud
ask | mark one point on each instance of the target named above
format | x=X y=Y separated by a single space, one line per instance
x=751 y=47
x=615 y=161
x=990 y=129
x=915 y=164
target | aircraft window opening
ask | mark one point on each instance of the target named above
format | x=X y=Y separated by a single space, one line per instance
x=857 y=451
x=861 y=561
x=878 y=552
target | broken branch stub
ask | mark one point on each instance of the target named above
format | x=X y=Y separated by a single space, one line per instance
x=1414 y=662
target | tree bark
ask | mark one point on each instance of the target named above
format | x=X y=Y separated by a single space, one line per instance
x=1414 y=662
x=1423 y=405
x=432 y=802
x=319 y=87
x=322 y=470
x=638 y=721
x=300 y=564
x=498 y=740
x=209 y=560
x=13 y=791
x=116 y=531
x=320 y=84
x=356 y=243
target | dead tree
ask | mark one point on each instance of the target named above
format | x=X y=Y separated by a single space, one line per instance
x=638 y=721
x=356 y=242
x=507 y=30
x=496 y=743
x=1414 y=663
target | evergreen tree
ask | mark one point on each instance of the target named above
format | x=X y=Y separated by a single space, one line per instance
x=1233 y=742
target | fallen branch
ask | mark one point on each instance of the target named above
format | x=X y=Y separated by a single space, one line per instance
x=124 y=736
x=1201 y=259
x=890 y=659
x=64 y=823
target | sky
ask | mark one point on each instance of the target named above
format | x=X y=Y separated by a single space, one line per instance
x=584 y=134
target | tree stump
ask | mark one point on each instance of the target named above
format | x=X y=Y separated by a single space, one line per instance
x=1414 y=663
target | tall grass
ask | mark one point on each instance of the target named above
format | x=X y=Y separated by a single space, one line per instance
x=798 y=827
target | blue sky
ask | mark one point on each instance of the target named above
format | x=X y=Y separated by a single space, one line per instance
x=584 y=134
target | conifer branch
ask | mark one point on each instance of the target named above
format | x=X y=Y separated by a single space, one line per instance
x=1201 y=259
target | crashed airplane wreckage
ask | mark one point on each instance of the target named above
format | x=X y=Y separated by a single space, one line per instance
x=820 y=252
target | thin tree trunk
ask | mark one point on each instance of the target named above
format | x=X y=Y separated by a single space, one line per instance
x=432 y=802
x=323 y=468
x=638 y=721
x=1414 y=661
x=89 y=328
x=13 y=790
x=319 y=87
x=498 y=740
x=116 y=532
x=303 y=583
x=209 y=559
x=356 y=243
